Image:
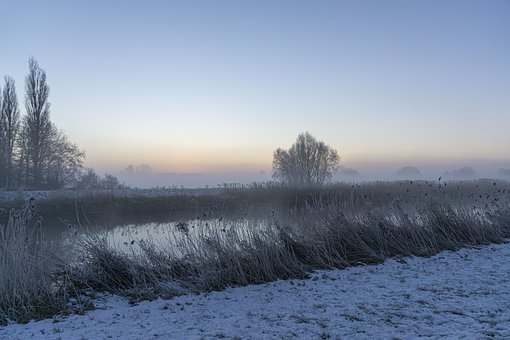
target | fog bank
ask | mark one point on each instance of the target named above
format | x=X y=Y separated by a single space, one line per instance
x=144 y=177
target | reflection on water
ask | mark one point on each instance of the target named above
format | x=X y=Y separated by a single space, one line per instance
x=166 y=235
x=129 y=238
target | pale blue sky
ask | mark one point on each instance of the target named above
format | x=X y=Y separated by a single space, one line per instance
x=216 y=86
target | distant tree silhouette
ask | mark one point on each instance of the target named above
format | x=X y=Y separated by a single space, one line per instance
x=408 y=171
x=141 y=170
x=110 y=182
x=348 y=171
x=463 y=172
x=308 y=162
x=9 y=126
x=130 y=170
x=88 y=180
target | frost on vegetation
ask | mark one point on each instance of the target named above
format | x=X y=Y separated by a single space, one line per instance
x=326 y=231
x=323 y=236
x=453 y=295
x=27 y=287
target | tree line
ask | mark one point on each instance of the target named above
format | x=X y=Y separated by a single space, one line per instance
x=34 y=153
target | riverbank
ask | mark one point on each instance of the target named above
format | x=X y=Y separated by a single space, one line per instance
x=452 y=294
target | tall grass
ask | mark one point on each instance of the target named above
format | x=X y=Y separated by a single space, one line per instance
x=322 y=235
x=27 y=288
x=307 y=229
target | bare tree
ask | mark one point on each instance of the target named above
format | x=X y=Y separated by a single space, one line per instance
x=62 y=160
x=3 y=145
x=9 y=126
x=37 y=119
x=23 y=160
x=88 y=179
x=308 y=162
x=110 y=182
x=46 y=158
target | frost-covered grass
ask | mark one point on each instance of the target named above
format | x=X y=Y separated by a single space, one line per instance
x=452 y=295
x=27 y=287
x=125 y=206
x=309 y=229
x=324 y=237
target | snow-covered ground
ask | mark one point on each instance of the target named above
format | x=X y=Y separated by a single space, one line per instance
x=465 y=294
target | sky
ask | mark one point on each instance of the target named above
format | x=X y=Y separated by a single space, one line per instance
x=212 y=88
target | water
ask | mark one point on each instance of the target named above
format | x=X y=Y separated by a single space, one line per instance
x=169 y=236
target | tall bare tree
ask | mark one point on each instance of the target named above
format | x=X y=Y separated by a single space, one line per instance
x=22 y=163
x=2 y=145
x=308 y=162
x=37 y=120
x=9 y=126
x=47 y=159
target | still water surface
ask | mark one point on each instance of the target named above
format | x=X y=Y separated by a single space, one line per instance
x=126 y=237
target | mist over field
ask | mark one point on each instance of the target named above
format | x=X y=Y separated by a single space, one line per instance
x=361 y=173
x=192 y=180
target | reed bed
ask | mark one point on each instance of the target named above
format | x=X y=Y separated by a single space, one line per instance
x=304 y=230
x=323 y=231
x=27 y=288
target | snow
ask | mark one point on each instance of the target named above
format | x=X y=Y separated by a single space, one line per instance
x=464 y=294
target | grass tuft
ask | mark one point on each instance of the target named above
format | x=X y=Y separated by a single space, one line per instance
x=27 y=288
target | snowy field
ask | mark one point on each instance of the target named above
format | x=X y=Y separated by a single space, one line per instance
x=464 y=294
